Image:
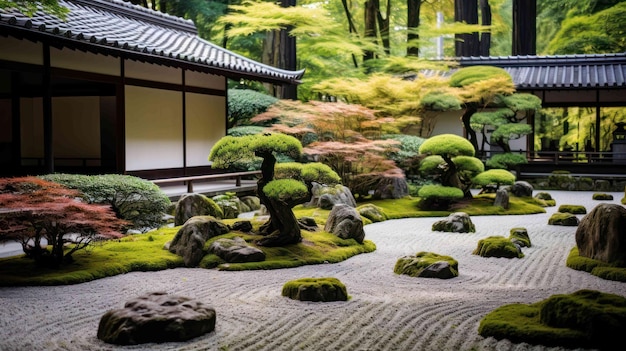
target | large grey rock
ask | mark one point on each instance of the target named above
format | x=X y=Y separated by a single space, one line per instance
x=236 y=250
x=191 y=205
x=326 y=197
x=345 y=222
x=391 y=188
x=521 y=189
x=156 y=317
x=502 y=199
x=190 y=238
x=601 y=234
x=458 y=222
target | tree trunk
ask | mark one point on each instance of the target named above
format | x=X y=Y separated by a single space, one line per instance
x=524 y=27
x=282 y=227
x=470 y=109
x=351 y=27
x=450 y=177
x=371 y=8
x=383 y=26
x=466 y=44
x=413 y=23
x=485 y=37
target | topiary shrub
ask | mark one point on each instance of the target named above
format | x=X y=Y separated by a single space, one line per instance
x=497 y=246
x=495 y=177
x=316 y=290
x=506 y=161
x=564 y=219
x=601 y=196
x=427 y=265
x=438 y=197
x=573 y=209
x=134 y=199
x=243 y=104
x=407 y=156
x=585 y=318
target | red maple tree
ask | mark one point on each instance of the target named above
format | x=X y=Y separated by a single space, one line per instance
x=33 y=209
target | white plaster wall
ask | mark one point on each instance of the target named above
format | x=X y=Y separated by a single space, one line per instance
x=205 y=80
x=154 y=128
x=449 y=123
x=76 y=126
x=21 y=51
x=152 y=72
x=31 y=127
x=205 y=125
x=84 y=61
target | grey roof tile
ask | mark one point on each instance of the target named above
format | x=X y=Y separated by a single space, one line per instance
x=119 y=26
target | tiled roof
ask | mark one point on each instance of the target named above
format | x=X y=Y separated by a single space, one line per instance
x=558 y=72
x=117 y=27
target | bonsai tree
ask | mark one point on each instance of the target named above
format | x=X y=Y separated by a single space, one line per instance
x=495 y=177
x=279 y=190
x=35 y=209
x=451 y=158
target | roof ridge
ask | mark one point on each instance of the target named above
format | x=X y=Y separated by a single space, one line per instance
x=131 y=10
x=536 y=60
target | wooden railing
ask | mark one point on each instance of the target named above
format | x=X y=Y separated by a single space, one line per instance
x=209 y=177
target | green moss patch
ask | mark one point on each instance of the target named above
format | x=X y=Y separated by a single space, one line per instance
x=564 y=219
x=601 y=196
x=573 y=209
x=497 y=246
x=316 y=289
x=586 y=318
x=414 y=266
x=595 y=267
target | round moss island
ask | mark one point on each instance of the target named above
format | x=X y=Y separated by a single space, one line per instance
x=316 y=290
x=427 y=265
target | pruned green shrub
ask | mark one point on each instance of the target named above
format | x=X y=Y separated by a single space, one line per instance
x=506 y=160
x=497 y=246
x=585 y=318
x=447 y=144
x=243 y=104
x=494 y=177
x=315 y=289
x=435 y=197
x=284 y=189
x=132 y=198
x=573 y=209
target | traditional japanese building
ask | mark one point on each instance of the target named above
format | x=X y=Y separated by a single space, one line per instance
x=114 y=88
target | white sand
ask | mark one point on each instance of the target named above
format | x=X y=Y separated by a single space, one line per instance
x=386 y=311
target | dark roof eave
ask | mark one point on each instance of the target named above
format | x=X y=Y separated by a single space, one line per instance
x=63 y=41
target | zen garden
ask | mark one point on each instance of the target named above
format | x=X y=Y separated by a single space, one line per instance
x=393 y=206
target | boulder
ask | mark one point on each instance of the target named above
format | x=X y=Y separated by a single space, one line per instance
x=242 y=226
x=601 y=234
x=315 y=289
x=564 y=219
x=308 y=223
x=253 y=202
x=521 y=189
x=372 y=212
x=458 y=222
x=326 y=197
x=190 y=238
x=502 y=199
x=236 y=250
x=345 y=222
x=497 y=246
x=156 y=318
x=427 y=265
x=391 y=188
x=519 y=237
x=191 y=205
x=230 y=205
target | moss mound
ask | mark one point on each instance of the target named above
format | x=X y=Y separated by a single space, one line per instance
x=315 y=289
x=520 y=237
x=602 y=196
x=573 y=209
x=586 y=318
x=415 y=266
x=497 y=246
x=598 y=268
x=564 y=219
